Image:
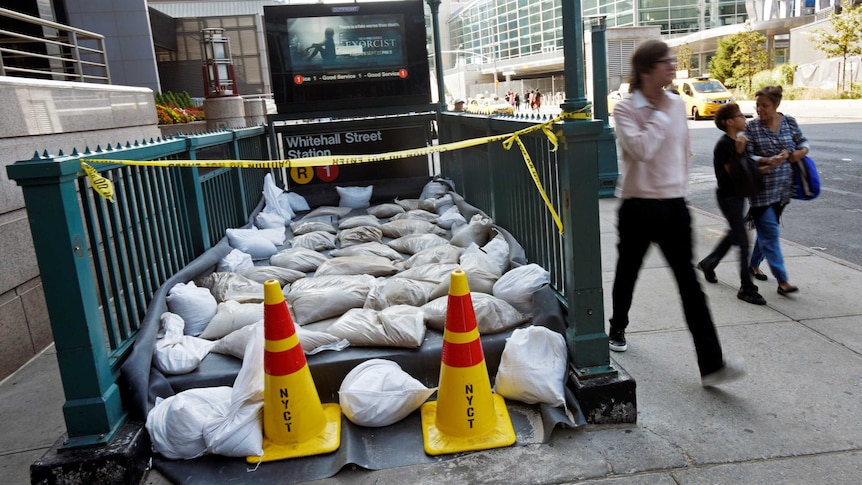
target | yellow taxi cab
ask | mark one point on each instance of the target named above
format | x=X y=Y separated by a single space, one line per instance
x=702 y=95
x=488 y=106
x=615 y=97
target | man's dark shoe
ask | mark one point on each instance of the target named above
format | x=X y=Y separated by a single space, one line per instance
x=617 y=340
x=708 y=273
x=751 y=296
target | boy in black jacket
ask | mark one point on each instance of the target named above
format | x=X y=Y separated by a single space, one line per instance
x=726 y=159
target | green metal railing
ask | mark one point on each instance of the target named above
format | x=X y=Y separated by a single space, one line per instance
x=101 y=262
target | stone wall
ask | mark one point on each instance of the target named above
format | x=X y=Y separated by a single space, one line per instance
x=35 y=116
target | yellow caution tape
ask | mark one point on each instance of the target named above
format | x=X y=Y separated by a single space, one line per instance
x=101 y=185
x=105 y=188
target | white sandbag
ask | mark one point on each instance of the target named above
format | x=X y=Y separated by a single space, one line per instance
x=196 y=306
x=389 y=292
x=297 y=202
x=368 y=249
x=354 y=197
x=274 y=202
x=231 y=316
x=482 y=273
x=304 y=227
x=451 y=217
x=328 y=210
x=312 y=341
x=493 y=315
x=362 y=281
x=232 y=286
x=378 y=393
x=257 y=245
x=385 y=210
x=407 y=204
x=358 y=221
x=315 y=241
x=413 y=243
x=434 y=273
x=443 y=204
x=435 y=189
x=533 y=367
x=518 y=285
x=176 y=424
x=396 y=229
x=266 y=220
x=416 y=215
x=397 y=326
x=235 y=261
x=477 y=231
x=239 y=432
x=444 y=253
x=176 y=353
x=370 y=265
x=359 y=235
x=315 y=304
x=497 y=250
x=261 y=274
x=298 y=259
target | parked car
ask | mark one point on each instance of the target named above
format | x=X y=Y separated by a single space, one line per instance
x=702 y=95
x=487 y=106
x=615 y=97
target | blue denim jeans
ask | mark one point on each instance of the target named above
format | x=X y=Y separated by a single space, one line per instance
x=767 y=244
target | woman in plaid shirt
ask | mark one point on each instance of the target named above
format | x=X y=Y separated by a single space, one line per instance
x=774 y=140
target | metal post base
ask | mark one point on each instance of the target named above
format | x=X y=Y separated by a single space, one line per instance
x=606 y=399
x=123 y=460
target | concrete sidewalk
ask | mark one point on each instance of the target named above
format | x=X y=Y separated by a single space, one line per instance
x=794 y=419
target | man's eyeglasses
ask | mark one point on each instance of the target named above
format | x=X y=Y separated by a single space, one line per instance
x=667 y=61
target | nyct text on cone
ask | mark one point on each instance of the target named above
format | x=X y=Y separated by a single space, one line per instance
x=467 y=415
x=295 y=423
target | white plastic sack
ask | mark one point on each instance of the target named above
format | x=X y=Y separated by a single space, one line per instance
x=312 y=341
x=232 y=286
x=304 y=227
x=368 y=249
x=533 y=367
x=196 y=306
x=354 y=197
x=444 y=253
x=497 y=250
x=176 y=424
x=235 y=261
x=232 y=315
x=315 y=241
x=274 y=202
x=328 y=210
x=176 y=353
x=267 y=220
x=312 y=305
x=252 y=242
x=518 y=285
x=493 y=315
x=297 y=202
x=477 y=231
x=450 y=217
x=261 y=274
x=239 y=432
x=362 y=281
x=389 y=292
x=416 y=215
x=434 y=273
x=396 y=229
x=378 y=392
x=354 y=265
x=413 y=243
x=435 y=189
x=298 y=259
x=385 y=210
x=358 y=221
x=397 y=326
x=359 y=235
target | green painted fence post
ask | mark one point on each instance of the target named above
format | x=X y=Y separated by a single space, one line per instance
x=93 y=410
x=194 y=198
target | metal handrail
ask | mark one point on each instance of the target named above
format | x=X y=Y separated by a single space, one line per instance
x=70 y=50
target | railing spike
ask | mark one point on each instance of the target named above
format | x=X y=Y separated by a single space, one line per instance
x=36 y=155
x=45 y=154
x=128 y=145
x=61 y=153
x=136 y=143
x=98 y=148
x=74 y=152
x=87 y=149
x=119 y=146
x=109 y=148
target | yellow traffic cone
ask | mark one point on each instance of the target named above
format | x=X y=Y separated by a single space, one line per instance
x=467 y=416
x=295 y=423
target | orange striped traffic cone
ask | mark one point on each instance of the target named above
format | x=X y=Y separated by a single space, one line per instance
x=467 y=416
x=295 y=423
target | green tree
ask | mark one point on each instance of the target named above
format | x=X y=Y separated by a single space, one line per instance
x=844 y=40
x=683 y=58
x=750 y=55
x=721 y=65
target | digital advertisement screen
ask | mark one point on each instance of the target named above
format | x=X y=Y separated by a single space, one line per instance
x=346 y=56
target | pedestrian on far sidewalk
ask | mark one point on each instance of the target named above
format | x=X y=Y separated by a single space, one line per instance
x=730 y=164
x=653 y=133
